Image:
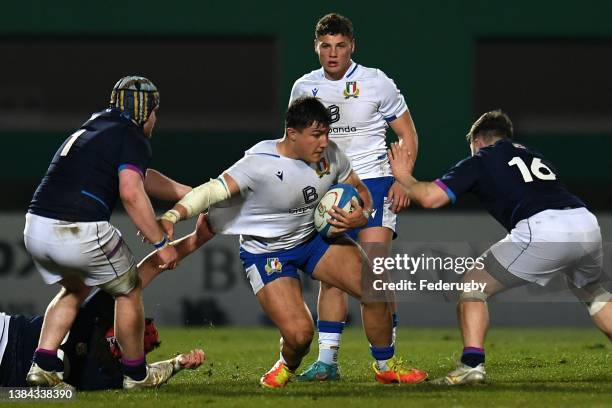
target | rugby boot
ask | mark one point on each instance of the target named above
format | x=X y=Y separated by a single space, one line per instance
x=397 y=373
x=277 y=377
x=320 y=371
x=463 y=375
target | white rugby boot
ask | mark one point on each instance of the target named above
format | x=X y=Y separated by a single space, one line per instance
x=157 y=374
x=463 y=375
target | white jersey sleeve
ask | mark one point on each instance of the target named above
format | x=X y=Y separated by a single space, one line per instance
x=296 y=91
x=392 y=103
x=244 y=173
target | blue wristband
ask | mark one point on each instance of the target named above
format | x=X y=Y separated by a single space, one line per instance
x=161 y=243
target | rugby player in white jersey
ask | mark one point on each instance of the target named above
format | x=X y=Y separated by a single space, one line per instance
x=268 y=198
x=363 y=103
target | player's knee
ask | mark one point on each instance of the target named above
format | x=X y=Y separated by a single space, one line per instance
x=300 y=337
x=473 y=296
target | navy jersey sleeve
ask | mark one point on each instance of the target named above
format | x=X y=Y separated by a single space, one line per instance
x=135 y=153
x=460 y=179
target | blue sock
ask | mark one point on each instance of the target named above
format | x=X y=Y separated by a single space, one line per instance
x=472 y=356
x=135 y=369
x=329 y=340
x=382 y=355
x=48 y=360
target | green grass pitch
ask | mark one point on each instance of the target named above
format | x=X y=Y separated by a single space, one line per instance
x=527 y=367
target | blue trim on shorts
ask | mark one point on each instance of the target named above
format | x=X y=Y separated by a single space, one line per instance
x=379 y=189
x=279 y=264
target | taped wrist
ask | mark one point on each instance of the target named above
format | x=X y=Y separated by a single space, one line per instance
x=172 y=216
x=205 y=195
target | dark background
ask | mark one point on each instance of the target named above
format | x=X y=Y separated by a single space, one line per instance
x=225 y=71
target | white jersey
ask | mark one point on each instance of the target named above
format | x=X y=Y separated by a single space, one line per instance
x=361 y=104
x=4 y=332
x=278 y=196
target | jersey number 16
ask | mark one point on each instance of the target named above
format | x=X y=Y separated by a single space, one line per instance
x=536 y=169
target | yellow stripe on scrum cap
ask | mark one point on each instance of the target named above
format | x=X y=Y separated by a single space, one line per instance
x=146 y=104
x=135 y=97
x=121 y=96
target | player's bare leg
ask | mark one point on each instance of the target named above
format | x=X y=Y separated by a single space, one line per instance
x=603 y=319
x=61 y=312
x=473 y=317
x=47 y=369
x=599 y=305
x=376 y=315
x=332 y=309
x=283 y=303
x=149 y=267
x=129 y=324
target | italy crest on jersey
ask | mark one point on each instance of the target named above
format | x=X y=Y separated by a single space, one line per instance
x=323 y=167
x=351 y=90
x=273 y=265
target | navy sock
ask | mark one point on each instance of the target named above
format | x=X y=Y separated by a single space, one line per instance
x=472 y=356
x=48 y=360
x=135 y=369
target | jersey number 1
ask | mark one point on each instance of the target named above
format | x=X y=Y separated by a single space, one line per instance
x=71 y=141
x=536 y=169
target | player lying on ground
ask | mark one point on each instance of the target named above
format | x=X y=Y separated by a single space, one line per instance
x=91 y=353
x=70 y=238
x=363 y=103
x=269 y=197
x=550 y=231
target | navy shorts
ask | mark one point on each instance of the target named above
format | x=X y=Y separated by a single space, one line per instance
x=262 y=269
x=381 y=215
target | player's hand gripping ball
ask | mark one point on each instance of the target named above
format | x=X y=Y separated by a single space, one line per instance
x=344 y=196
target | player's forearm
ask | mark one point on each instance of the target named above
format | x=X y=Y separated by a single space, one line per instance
x=164 y=188
x=407 y=135
x=139 y=209
x=202 y=198
x=426 y=194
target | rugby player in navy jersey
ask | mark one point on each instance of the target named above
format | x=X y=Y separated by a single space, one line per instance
x=551 y=232
x=90 y=352
x=72 y=243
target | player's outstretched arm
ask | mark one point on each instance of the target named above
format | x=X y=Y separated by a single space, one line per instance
x=149 y=268
x=191 y=361
x=163 y=187
x=404 y=128
x=198 y=200
x=139 y=209
x=427 y=194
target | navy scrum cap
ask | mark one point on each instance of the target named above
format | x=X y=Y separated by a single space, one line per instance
x=136 y=96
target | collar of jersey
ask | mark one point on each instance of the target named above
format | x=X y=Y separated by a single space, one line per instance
x=349 y=72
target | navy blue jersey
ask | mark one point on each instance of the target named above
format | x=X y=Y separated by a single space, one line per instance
x=82 y=182
x=511 y=181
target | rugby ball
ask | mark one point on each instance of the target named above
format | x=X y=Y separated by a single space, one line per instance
x=341 y=195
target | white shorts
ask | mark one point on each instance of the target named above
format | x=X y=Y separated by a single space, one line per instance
x=549 y=243
x=91 y=251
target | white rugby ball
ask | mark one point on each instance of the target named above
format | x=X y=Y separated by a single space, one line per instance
x=341 y=195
